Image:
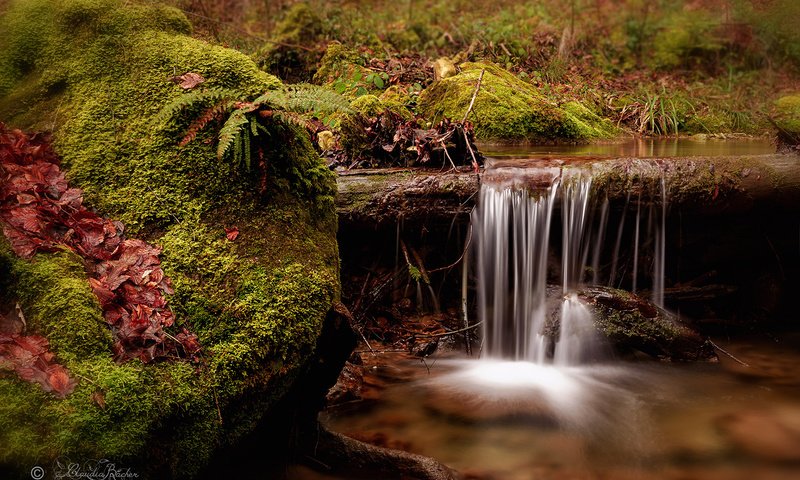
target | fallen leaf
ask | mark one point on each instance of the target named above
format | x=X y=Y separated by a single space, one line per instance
x=188 y=80
x=231 y=233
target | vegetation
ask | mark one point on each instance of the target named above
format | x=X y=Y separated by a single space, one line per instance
x=97 y=73
x=664 y=68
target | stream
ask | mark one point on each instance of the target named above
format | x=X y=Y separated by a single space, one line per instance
x=525 y=411
x=627 y=420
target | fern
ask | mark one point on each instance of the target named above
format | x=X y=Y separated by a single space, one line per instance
x=191 y=99
x=210 y=114
x=292 y=105
x=230 y=132
x=313 y=98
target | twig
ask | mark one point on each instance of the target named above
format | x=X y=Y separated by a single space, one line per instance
x=463 y=253
x=360 y=332
x=726 y=353
x=216 y=401
x=474 y=95
x=435 y=335
x=447 y=155
x=464 y=300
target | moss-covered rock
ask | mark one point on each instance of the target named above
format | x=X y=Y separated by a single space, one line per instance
x=507 y=108
x=632 y=323
x=290 y=54
x=97 y=73
x=787 y=119
x=339 y=62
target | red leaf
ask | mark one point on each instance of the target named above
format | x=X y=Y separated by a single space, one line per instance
x=231 y=233
x=38 y=212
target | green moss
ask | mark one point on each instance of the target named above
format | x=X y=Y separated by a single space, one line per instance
x=256 y=303
x=338 y=62
x=507 y=108
x=285 y=55
x=686 y=39
x=787 y=113
x=60 y=304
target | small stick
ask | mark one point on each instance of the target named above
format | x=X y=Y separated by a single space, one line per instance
x=435 y=335
x=464 y=299
x=727 y=353
x=444 y=147
x=463 y=253
x=216 y=401
x=474 y=95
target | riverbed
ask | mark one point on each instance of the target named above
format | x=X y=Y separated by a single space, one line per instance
x=615 y=420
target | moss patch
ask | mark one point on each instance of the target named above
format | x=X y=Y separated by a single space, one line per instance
x=257 y=303
x=787 y=113
x=507 y=108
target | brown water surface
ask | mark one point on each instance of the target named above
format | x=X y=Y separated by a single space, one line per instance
x=613 y=421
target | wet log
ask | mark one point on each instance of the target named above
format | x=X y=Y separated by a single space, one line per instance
x=696 y=185
x=377 y=197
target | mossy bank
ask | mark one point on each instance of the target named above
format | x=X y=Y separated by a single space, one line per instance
x=97 y=73
x=507 y=108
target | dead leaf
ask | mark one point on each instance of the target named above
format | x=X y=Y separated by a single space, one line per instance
x=231 y=233
x=188 y=80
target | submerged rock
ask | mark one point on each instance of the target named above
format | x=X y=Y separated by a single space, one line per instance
x=97 y=73
x=507 y=108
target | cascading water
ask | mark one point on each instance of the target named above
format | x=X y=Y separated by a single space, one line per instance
x=512 y=228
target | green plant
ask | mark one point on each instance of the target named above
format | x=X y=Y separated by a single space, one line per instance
x=656 y=113
x=359 y=84
x=246 y=121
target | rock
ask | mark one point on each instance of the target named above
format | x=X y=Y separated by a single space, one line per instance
x=301 y=27
x=348 y=385
x=507 y=108
x=786 y=118
x=767 y=435
x=443 y=68
x=258 y=304
x=633 y=323
x=338 y=62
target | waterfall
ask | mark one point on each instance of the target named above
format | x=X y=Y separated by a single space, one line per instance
x=512 y=229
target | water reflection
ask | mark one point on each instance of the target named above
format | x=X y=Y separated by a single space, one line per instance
x=642 y=147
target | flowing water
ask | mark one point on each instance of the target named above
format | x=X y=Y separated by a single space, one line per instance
x=538 y=404
x=523 y=421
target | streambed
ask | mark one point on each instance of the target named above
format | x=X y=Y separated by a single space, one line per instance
x=616 y=419
x=619 y=420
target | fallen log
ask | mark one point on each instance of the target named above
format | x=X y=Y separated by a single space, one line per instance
x=699 y=185
x=389 y=195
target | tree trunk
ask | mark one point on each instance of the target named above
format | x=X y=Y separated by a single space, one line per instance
x=696 y=185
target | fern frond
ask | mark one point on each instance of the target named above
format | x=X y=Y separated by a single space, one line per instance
x=213 y=113
x=276 y=99
x=230 y=132
x=246 y=153
x=293 y=118
x=305 y=97
x=190 y=99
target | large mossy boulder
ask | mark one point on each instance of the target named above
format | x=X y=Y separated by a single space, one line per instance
x=787 y=120
x=97 y=73
x=507 y=108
